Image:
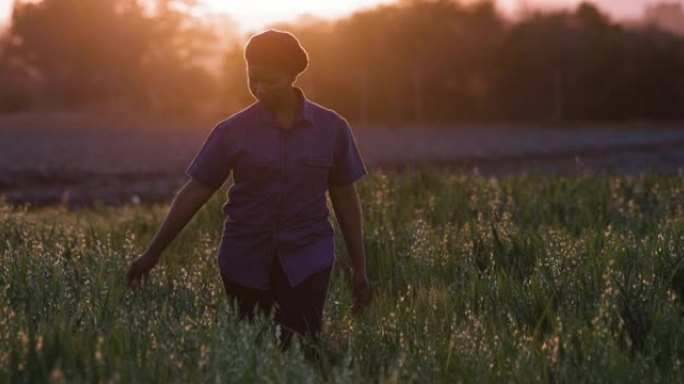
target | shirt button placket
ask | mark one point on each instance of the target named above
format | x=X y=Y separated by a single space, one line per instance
x=283 y=177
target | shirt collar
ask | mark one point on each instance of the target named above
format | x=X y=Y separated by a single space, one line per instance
x=305 y=113
x=306 y=110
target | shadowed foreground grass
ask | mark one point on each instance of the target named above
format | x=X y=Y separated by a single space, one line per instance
x=477 y=280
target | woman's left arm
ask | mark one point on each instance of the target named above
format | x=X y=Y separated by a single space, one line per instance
x=347 y=207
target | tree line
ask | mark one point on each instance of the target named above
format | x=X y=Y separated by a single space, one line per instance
x=414 y=61
x=75 y=53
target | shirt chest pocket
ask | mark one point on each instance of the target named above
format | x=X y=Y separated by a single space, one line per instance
x=314 y=171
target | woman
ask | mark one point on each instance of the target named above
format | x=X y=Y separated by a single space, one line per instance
x=285 y=153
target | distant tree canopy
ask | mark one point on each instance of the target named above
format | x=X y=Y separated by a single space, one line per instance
x=408 y=62
x=112 y=51
x=416 y=61
x=582 y=67
x=440 y=61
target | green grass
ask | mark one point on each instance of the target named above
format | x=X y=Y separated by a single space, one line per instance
x=525 y=279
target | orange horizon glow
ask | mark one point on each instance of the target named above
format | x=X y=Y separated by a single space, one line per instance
x=256 y=14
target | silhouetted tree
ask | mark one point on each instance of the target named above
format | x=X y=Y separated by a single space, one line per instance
x=15 y=80
x=584 y=67
x=112 y=51
x=413 y=61
x=416 y=61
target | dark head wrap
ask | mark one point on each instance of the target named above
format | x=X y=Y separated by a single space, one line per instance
x=278 y=50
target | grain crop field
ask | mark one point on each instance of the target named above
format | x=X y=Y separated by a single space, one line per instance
x=522 y=279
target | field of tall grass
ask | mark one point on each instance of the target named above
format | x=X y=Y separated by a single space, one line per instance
x=522 y=279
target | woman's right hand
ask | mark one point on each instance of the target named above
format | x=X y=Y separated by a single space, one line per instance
x=188 y=200
x=140 y=269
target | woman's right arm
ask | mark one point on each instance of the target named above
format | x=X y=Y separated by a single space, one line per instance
x=189 y=199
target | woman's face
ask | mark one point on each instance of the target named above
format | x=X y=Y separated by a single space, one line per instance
x=269 y=86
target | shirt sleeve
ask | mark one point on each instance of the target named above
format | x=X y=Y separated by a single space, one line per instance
x=212 y=164
x=347 y=163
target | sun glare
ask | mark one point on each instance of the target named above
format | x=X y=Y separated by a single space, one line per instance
x=259 y=13
x=251 y=15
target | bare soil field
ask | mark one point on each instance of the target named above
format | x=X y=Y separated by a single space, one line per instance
x=78 y=159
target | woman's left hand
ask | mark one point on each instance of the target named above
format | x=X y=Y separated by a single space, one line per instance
x=361 y=292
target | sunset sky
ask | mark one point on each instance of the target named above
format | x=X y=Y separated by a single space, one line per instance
x=254 y=14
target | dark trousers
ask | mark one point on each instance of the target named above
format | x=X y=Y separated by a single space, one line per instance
x=298 y=309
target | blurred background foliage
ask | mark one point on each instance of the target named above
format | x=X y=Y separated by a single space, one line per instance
x=413 y=61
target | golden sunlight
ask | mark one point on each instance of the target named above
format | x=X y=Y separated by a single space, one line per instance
x=254 y=14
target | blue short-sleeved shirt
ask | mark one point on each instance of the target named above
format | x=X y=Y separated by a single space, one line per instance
x=277 y=204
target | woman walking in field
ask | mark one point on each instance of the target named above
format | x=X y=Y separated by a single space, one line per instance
x=285 y=153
